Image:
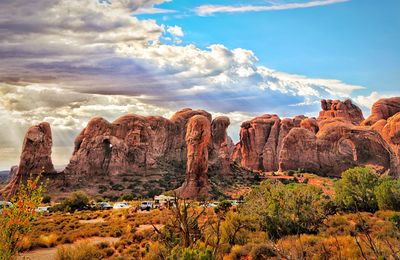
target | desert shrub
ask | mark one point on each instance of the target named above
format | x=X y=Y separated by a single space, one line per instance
x=287 y=209
x=81 y=251
x=75 y=201
x=17 y=221
x=46 y=199
x=117 y=187
x=262 y=251
x=48 y=240
x=356 y=190
x=235 y=228
x=126 y=197
x=388 y=194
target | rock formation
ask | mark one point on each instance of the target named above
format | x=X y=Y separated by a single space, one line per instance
x=221 y=145
x=383 y=109
x=198 y=135
x=337 y=146
x=138 y=154
x=35 y=157
x=327 y=146
x=341 y=109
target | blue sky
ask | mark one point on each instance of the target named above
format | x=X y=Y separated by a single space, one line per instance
x=356 y=41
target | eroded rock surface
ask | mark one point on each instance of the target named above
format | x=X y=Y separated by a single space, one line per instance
x=383 y=109
x=198 y=136
x=35 y=157
x=341 y=109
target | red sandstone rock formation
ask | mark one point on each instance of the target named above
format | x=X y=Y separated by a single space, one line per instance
x=198 y=136
x=338 y=109
x=261 y=141
x=221 y=145
x=35 y=157
x=337 y=146
x=383 y=109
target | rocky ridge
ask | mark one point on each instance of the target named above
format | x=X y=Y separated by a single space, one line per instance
x=150 y=154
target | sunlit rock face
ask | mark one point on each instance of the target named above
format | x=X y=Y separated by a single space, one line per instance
x=132 y=153
x=198 y=136
x=338 y=146
x=328 y=145
x=35 y=157
x=383 y=109
x=341 y=109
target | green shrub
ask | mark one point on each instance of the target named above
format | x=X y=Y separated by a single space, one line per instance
x=46 y=199
x=356 y=190
x=76 y=201
x=126 y=197
x=388 y=194
x=287 y=209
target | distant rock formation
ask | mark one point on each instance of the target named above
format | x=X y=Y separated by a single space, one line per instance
x=198 y=135
x=326 y=146
x=337 y=146
x=35 y=157
x=383 y=109
x=139 y=154
x=340 y=109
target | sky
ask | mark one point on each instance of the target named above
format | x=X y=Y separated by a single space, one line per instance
x=67 y=61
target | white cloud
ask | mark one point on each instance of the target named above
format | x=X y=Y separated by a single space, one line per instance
x=175 y=31
x=66 y=64
x=204 y=10
x=368 y=101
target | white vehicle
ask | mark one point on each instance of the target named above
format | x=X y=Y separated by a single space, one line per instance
x=146 y=205
x=4 y=204
x=43 y=209
x=121 y=205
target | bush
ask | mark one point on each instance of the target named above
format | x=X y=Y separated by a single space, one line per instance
x=46 y=199
x=76 y=201
x=262 y=251
x=126 y=197
x=287 y=209
x=81 y=251
x=388 y=194
x=356 y=190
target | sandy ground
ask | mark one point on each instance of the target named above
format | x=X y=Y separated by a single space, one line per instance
x=51 y=253
x=147 y=227
x=92 y=221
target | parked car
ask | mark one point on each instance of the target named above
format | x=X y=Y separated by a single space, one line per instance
x=43 y=209
x=104 y=205
x=4 y=204
x=146 y=205
x=121 y=205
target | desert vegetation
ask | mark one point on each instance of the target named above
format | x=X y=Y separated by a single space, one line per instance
x=277 y=220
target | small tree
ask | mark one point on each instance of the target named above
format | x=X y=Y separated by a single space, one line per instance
x=76 y=201
x=16 y=221
x=356 y=190
x=388 y=194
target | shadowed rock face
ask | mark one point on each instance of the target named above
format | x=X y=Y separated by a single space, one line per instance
x=221 y=146
x=35 y=157
x=383 y=109
x=341 y=109
x=198 y=136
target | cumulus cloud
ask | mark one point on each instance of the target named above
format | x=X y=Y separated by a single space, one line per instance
x=204 y=10
x=67 y=61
